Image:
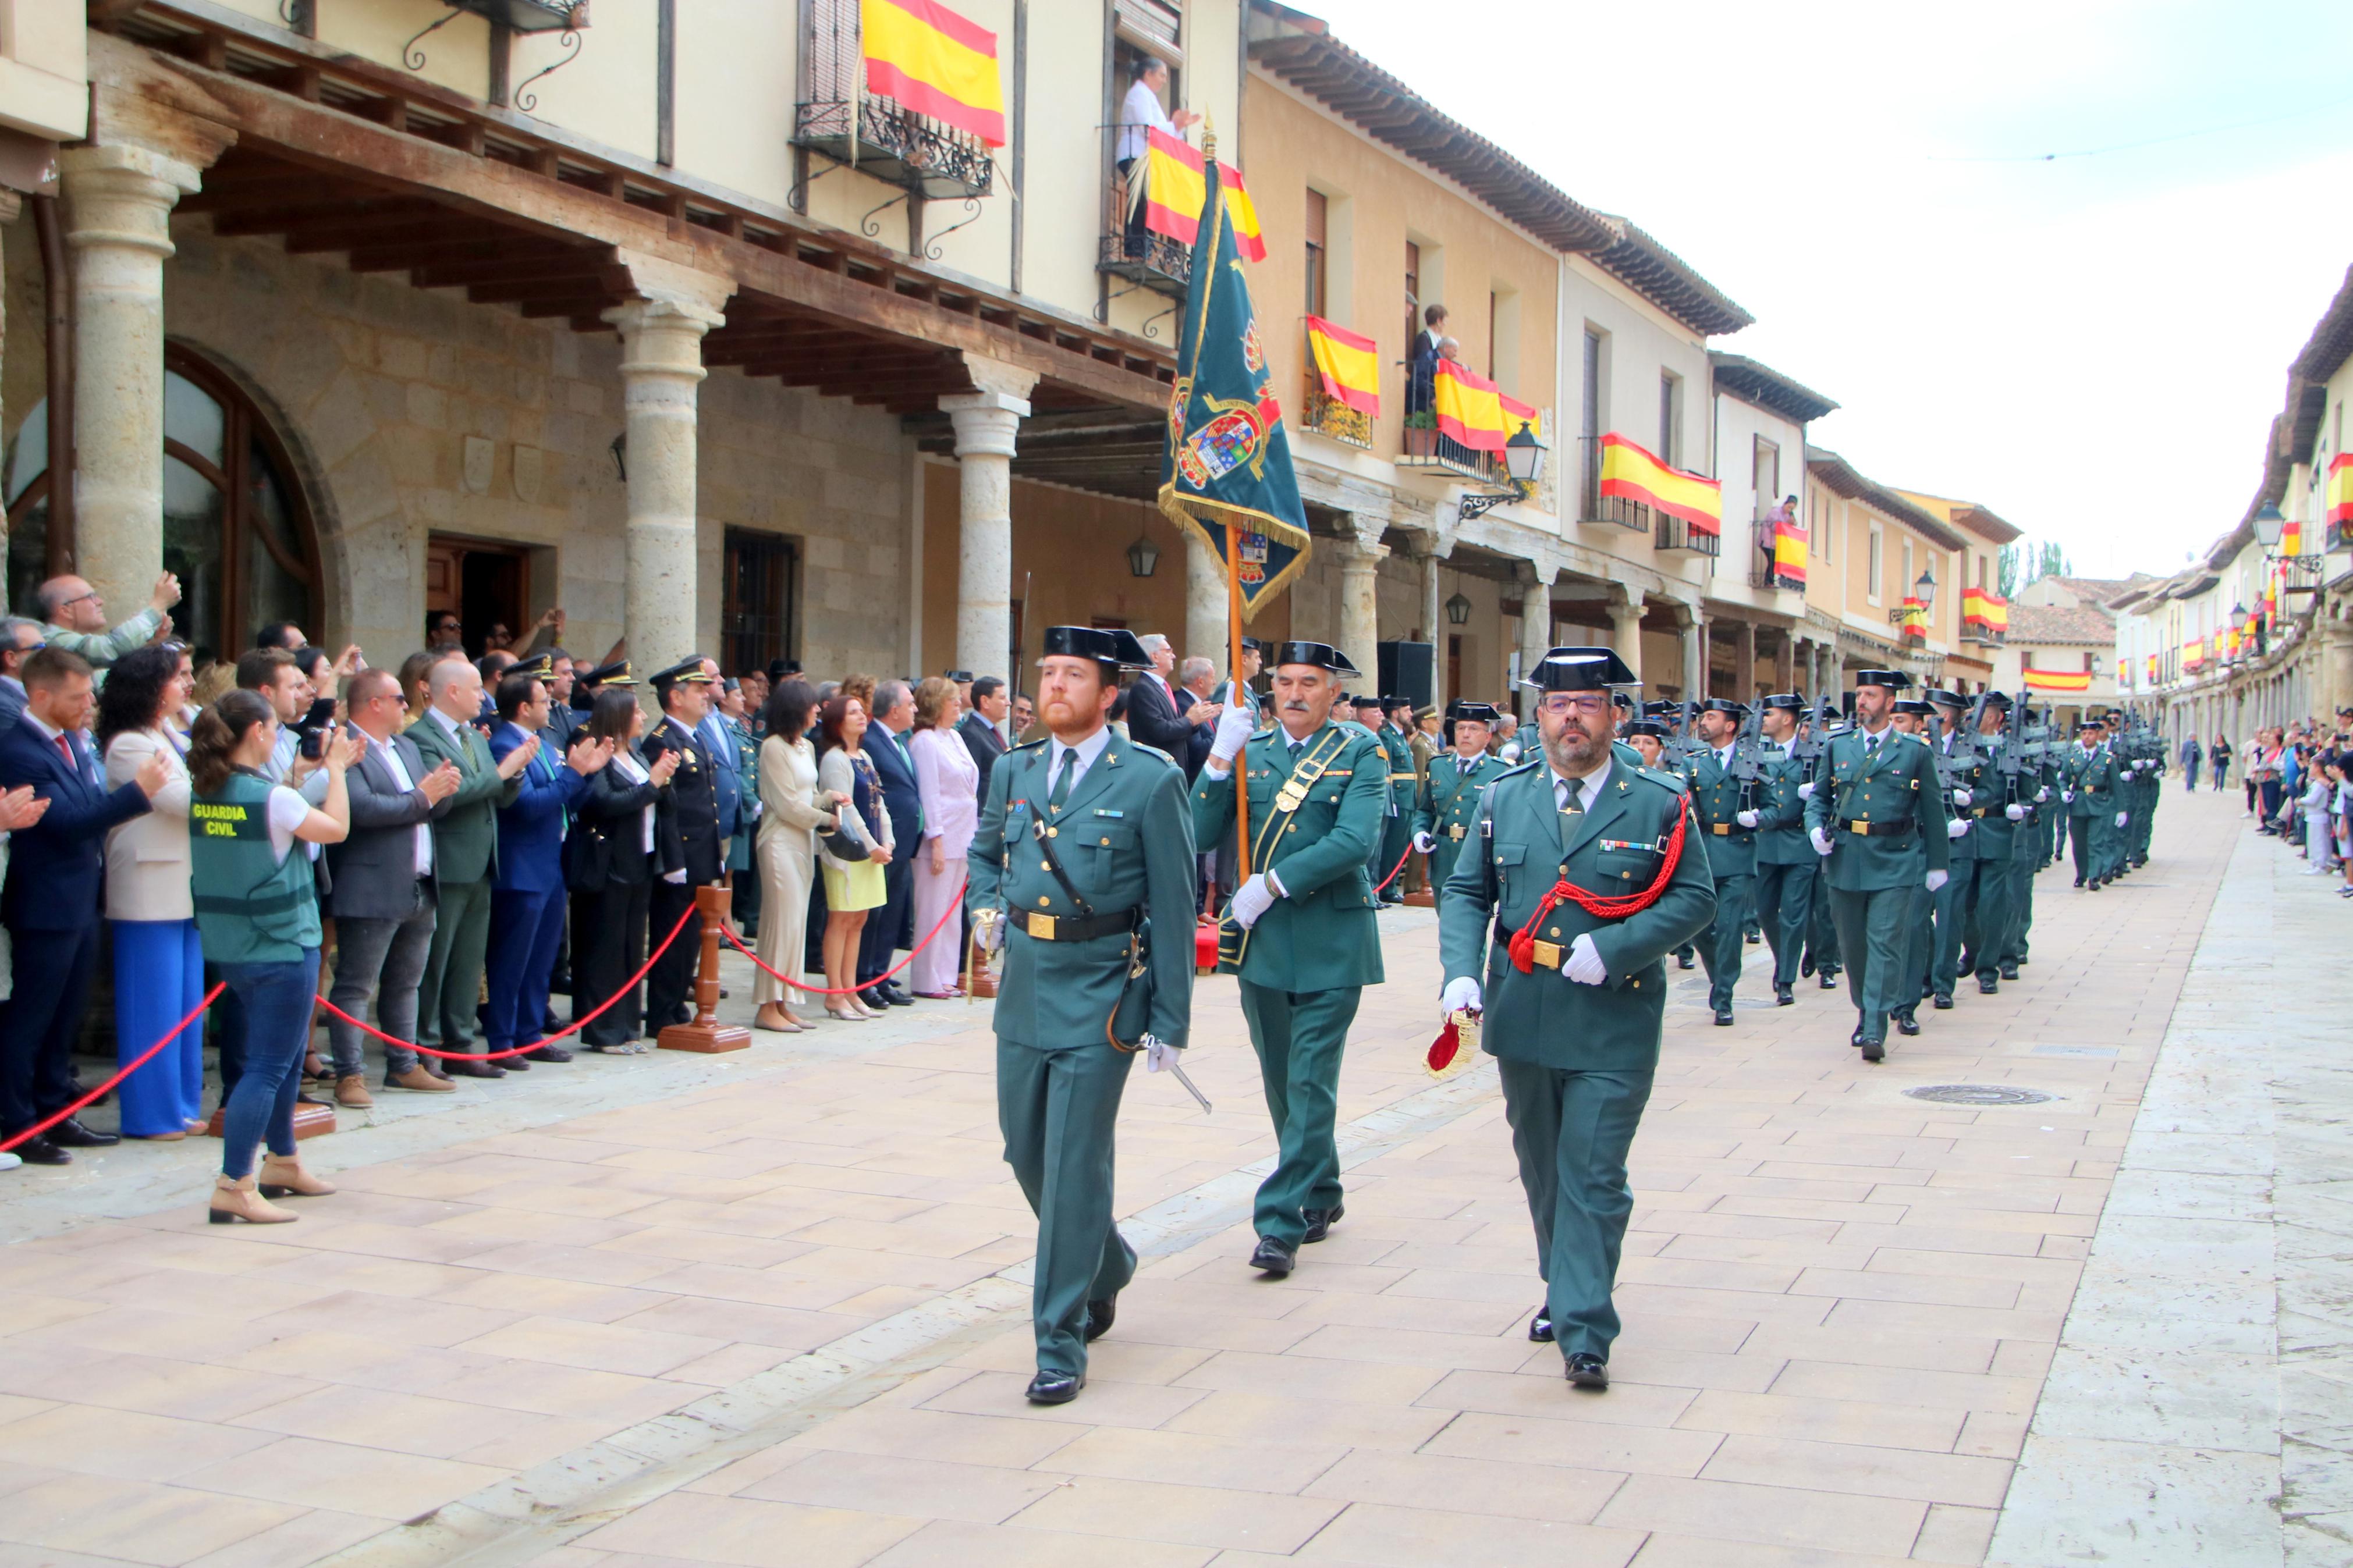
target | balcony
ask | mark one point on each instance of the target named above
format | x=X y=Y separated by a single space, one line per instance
x=896 y=145
x=1331 y=418
x=1592 y=506
x=1428 y=449
x=1987 y=636
x=1678 y=533
x=1128 y=250
x=1766 y=577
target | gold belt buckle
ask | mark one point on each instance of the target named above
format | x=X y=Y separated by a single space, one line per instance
x=1041 y=927
x=1720 y=829
x=1861 y=827
x=1455 y=832
x=1547 y=953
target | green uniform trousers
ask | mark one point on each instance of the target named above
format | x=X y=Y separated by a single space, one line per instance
x=1822 y=938
x=1056 y=1108
x=1571 y=1131
x=1785 y=908
x=1992 y=930
x=1956 y=907
x=2021 y=914
x=2084 y=848
x=2144 y=822
x=448 y=998
x=1874 y=932
x=1299 y=1036
x=1721 y=944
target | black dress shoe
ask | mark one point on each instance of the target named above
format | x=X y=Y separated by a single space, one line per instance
x=2010 y=971
x=1907 y=1025
x=1056 y=1387
x=1320 y=1222
x=2079 y=881
x=1874 y=1050
x=1723 y=1017
x=1100 y=1315
x=1830 y=979
x=1588 y=1371
x=1987 y=987
x=1685 y=960
x=1273 y=1258
x=1806 y=966
x=1781 y=997
x=1752 y=939
x=546 y=1054
x=476 y=1069
x=71 y=1134
x=1855 y=1038
x=512 y=1064
x=1944 y=1003
x=42 y=1151
x=1540 y=1326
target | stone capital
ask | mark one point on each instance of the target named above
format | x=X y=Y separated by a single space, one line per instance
x=992 y=376
x=687 y=291
x=143 y=101
x=987 y=423
x=1358 y=555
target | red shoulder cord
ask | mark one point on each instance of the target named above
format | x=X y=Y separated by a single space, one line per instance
x=1523 y=944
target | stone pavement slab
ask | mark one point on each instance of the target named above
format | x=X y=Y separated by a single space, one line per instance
x=778 y=1313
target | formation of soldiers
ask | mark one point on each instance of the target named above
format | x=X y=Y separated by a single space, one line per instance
x=1890 y=839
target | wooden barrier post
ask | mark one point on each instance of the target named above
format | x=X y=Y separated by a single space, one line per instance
x=707 y=1034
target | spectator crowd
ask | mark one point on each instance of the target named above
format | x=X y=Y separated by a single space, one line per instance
x=2298 y=781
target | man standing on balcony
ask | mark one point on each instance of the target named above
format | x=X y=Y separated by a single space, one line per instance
x=1141 y=114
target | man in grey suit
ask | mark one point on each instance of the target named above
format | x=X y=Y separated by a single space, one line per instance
x=384 y=893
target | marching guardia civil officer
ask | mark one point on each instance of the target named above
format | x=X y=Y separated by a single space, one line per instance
x=1580 y=876
x=1441 y=817
x=1974 y=793
x=1726 y=810
x=1876 y=814
x=2095 y=816
x=2002 y=826
x=1084 y=851
x=1307 y=943
x=1785 y=861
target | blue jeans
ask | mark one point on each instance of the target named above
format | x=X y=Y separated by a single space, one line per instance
x=159 y=978
x=276 y=999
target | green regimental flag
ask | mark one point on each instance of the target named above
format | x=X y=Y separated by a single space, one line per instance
x=1228 y=466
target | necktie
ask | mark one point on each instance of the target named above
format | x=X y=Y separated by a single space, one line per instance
x=65 y=750
x=1062 y=791
x=1870 y=746
x=1571 y=798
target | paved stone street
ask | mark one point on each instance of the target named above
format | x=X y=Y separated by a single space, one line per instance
x=772 y=1309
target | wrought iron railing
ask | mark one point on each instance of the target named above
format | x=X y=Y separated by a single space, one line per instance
x=1429 y=450
x=1331 y=417
x=1766 y=577
x=1677 y=534
x=1129 y=250
x=895 y=144
x=1595 y=507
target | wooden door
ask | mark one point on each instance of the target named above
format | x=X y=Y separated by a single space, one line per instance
x=481 y=581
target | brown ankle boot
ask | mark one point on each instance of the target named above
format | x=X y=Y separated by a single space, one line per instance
x=236 y=1200
x=283 y=1176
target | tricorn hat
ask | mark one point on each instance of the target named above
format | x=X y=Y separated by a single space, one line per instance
x=1322 y=655
x=1788 y=701
x=1724 y=705
x=1650 y=727
x=1945 y=699
x=1579 y=669
x=1914 y=707
x=1106 y=644
x=1892 y=679
x=1477 y=713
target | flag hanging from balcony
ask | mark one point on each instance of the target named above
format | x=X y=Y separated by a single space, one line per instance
x=1348 y=366
x=1225 y=474
x=936 y=63
x=2058 y=681
x=2193 y=654
x=1789 y=552
x=2152 y=671
x=1912 y=619
x=2291 y=538
x=1987 y=612
x=1174 y=186
x=2340 y=489
x=1630 y=472
x=1249 y=243
x=1517 y=414
x=1469 y=410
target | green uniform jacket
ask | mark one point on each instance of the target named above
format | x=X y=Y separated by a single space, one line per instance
x=1717 y=803
x=1992 y=835
x=1322 y=935
x=1898 y=785
x=2092 y=775
x=1401 y=789
x=1125 y=840
x=466 y=829
x=1781 y=814
x=1973 y=778
x=1448 y=797
x=1511 y=861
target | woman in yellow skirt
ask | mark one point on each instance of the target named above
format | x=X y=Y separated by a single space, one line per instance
x=852 y=887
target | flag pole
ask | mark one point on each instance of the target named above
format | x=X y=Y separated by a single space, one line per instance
x=1234 y=688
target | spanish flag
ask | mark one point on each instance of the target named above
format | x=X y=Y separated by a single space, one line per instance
x=935 y=62
x=2193 y=653
x=1981 y=608
x=1789 y=551
x=1912 y=618
x=1348 y=366
x=2340 y=489
x=1517 y=414
x=2152 y=669
x=2291 y=538
x=1631 y=473
x=1469 y=410
x=1250 y=242
x=2060 y=679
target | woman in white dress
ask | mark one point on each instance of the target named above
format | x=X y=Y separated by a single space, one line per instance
x=949 y=781
x=792 y=812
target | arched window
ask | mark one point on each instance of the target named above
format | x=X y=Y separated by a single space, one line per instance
x=235 y=526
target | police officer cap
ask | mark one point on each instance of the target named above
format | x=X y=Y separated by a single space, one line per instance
x=1788 y=701
x=1944 y=698
x=1724 y=705
x=1104 y=645
x=1477 y=713
x=961 y=676
x=1362 y=701
x=688 y=672
x=1252 y=645
x=614 y=673
x=1579 y=669
x=783 y=670
x=539 y=667
x=1650 y=727
x=1892 y=679
x=2087 y=726
x=1322 y=655
x=1914 y=706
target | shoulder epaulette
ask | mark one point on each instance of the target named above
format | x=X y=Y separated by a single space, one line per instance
x=1673 y=784
x=1033 y=745
x=1514 y=770
x=1153 y=751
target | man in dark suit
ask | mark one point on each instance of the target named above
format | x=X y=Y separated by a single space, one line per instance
x=979 y=728
x=684 y=692
x=57 y=870
x=527 y=900
x=886 y=928
x=19 y=639
x=719 y=746
x=1158 y=715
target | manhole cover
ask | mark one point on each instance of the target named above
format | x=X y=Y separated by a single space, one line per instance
x=1977 y=1094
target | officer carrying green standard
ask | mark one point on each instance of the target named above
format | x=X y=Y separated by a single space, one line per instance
x=1300 y=932
x=1877 y=815
x=1580 y=875
x=1726 y=809
x=1441 y=817
x=1085 y=846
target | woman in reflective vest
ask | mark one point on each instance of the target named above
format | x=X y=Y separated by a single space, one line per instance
x=257 y=915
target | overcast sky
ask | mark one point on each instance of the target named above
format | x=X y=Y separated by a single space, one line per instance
x=2091 y=346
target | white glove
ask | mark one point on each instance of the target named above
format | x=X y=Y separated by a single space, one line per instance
x=990 y=935
x=2067 y=795
x=1962 y=797
x=1235 y=727
x=1252 y=899
x=1584 y=965
x=1806 y=790
x=1424 y=842
x=1821 y=840
x=1955 y=826
x=1460 y=997
x=2120 y=818
x=677 y=878
x=2015 y=813
x=2042 y=794
x=1745 y=818
x=1938 y=880
x=1159 y=1056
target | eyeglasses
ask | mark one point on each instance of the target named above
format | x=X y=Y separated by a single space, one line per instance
x=78 y=598
x=1586 y=702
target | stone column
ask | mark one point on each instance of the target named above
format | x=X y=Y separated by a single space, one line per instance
x=1205 y=634
x=1694 y=639
x=662 y=371
x=1785 y=663
x=1360 y=622
x=1535 y=633
x=986 y=424
x=2335 y=665
x=119 y=202
x=1744 y=683
x=1626 y=628
x=10 y=205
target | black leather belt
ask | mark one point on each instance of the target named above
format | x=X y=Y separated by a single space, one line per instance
x=1073 y=928
x=1879 y=829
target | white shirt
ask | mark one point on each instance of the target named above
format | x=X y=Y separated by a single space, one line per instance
x=1588 y=788
x=1724 y=757
x=448 y=725
x=1139 y=115
x=631 y=771
x=400 y=778
x=1211 y=769
x=1078 y=758
x=287 y=811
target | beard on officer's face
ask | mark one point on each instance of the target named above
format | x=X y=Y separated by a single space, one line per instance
x=1573 y=743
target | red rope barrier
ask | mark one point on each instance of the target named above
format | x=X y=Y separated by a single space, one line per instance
x=1396 y=868
x=145 y=1057
x=575 y=1027
x=955 y=908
